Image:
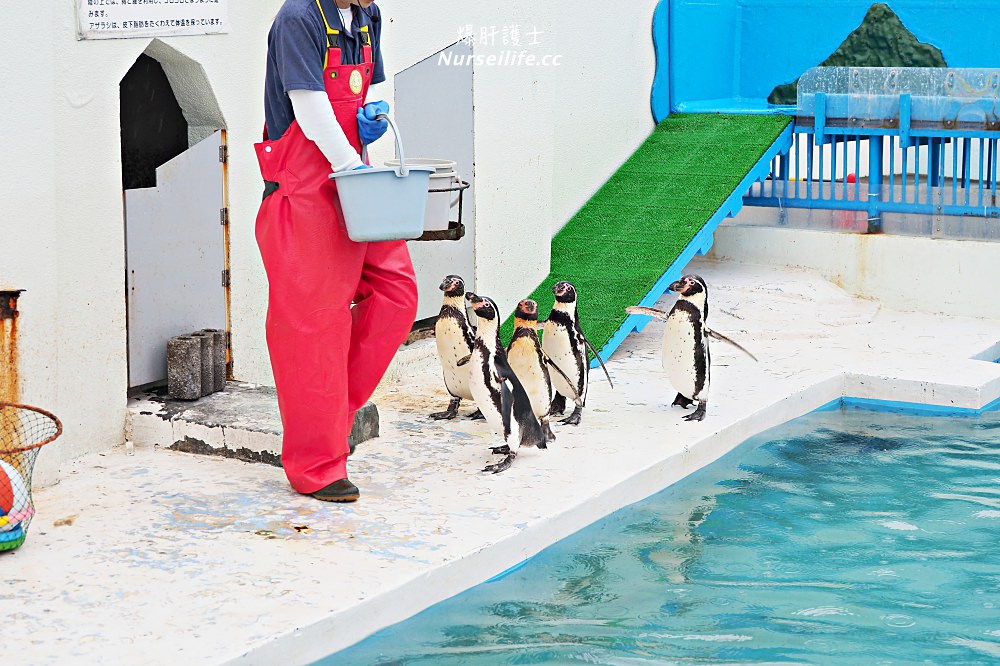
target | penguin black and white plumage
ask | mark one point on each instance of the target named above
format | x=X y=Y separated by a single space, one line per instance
x=686 y=357
x=454 y=339
x=529 y=362
x=564 y=342
x=497 y=390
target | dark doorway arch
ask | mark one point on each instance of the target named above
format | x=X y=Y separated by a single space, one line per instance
x=153 y=126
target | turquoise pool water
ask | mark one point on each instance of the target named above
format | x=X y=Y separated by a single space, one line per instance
x=844 y=537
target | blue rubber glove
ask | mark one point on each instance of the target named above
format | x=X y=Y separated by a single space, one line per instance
x=359 y=168
x=371 y=130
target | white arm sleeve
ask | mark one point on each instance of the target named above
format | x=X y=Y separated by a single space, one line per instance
x=319 y=124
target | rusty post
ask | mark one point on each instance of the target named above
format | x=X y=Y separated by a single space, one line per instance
x=9 y=381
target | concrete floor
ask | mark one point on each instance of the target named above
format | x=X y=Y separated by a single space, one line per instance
x=166 y=557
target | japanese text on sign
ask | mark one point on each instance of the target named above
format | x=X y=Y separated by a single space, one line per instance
x=109 y=19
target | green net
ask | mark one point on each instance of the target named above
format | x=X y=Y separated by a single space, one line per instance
x=619 y=244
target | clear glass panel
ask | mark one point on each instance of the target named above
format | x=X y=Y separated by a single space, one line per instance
x=942 y=98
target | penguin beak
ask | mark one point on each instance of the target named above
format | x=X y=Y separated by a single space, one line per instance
x=444 y=285
x=676 y=286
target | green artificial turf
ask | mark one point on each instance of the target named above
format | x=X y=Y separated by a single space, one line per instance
x=619 y=244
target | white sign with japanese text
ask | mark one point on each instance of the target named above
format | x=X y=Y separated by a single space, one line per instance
x=111 y=19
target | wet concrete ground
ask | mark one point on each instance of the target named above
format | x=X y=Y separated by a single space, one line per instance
x=167 y=557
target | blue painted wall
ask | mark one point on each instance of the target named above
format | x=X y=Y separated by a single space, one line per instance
x=728 y=55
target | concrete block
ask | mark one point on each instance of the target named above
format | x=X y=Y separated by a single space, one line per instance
x=218 y=357
x=207 y=362
x=184 y=367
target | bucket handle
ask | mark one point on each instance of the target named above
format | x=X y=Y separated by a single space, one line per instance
x=403 y=169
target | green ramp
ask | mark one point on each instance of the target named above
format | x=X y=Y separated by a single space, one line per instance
x=635 y=235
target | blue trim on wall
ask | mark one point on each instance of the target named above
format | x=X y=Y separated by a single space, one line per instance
x=700 y=244
x=912 y=408
x=508 y=571
x=660 y=96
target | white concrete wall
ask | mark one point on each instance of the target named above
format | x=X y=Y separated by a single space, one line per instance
x=546 y=139
x=910 y=274
x=62 y=225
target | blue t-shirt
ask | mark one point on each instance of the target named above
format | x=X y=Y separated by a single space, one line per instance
x=296 y=50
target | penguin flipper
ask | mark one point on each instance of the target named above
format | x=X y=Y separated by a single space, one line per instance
x=569 y=382
x=506 y=405
x=648 y=312
x=516 y=405
x=721 y=338
x=598 y=357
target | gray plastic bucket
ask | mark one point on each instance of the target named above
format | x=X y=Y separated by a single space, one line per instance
x=382 y=204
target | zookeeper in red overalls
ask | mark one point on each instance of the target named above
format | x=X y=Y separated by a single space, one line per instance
x=327 y=356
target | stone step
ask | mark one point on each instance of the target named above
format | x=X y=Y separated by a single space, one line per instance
x=240 y=422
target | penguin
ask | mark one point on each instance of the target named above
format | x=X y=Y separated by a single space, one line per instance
x=454 y=339
x=497 y=390
x=532 y=365
x=685 y=355
x=564 y=342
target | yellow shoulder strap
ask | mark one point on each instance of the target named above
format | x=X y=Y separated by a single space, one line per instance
x=329 y=32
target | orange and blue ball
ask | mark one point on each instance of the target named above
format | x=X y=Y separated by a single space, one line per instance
x=15 y=506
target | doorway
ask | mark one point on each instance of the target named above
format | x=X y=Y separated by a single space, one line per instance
x=174 y=192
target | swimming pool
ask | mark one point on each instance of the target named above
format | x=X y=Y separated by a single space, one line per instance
x=844 y=537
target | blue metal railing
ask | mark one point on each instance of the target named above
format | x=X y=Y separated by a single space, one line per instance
x=891 y=150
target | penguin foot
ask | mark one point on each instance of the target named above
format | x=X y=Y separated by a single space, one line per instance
x=547 y=429
x=681 y=401
x=500 y=450
x=477 y=415
x=574 y=418
x=558 y=405
x=449 y=413
x=502 y=465
x=698 y=414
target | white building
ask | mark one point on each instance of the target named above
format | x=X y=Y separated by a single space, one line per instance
x=542 y=138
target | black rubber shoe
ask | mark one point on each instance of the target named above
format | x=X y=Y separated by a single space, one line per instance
x=338 y=491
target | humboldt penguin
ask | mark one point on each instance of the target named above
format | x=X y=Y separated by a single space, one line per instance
x=685 y=354
x=532 y=365
x=564 y=342
x=497 y=390
x=454 y=339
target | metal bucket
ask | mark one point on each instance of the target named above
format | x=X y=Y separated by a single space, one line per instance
x=443 y=195
x=382 y=204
